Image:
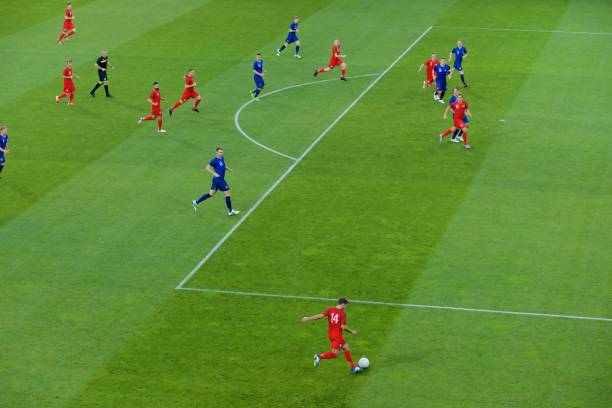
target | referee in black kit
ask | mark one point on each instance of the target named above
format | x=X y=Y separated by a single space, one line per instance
x=102 y=64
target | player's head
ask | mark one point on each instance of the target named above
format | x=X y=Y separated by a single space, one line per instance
x=434 y=56
x=456 y=91
x=459 y=43
x=459 y=96
x=258 y=56
x=296 y=19
x=336 y=42
x=3 y=130
x=69 y=5
x=219 y=151
x=342 y=303
x=156 y=86
x=190 y=71
x=68 y=62
x=442 y=61
x=104 y=53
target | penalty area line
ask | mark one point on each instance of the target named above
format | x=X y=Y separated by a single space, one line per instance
x=525 y=30
x=394 y=304
x=299 y=159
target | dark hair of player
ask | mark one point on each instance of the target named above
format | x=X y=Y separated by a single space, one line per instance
x=2 y=127
x=259 y=53
x=343 y=301
x=218 y=148
x=189 y=70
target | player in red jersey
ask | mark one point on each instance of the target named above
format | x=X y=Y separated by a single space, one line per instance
x=334 y=61
x=429 y=64
x=336 y=321
x=188 y=93
x=69 y=88
x=460 y=108
x=68 y=30
x=155 y=100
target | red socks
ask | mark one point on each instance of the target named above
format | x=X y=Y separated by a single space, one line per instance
x=197 y=102
x=464 y=137
x=61 y=37
x=448 y=132
x=159 y=123
x=343 y=72
x=349 y=358
x=62 y=96
x=176 y=105
x=327 y=356
x=321 y=70
x=70 y=98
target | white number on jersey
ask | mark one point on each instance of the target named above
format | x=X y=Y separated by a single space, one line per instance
x=334 y=318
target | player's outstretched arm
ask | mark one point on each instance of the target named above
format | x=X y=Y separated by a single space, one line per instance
x=349 y=330
x=315 y=317
x=446 y=112
x=421 y=67
x=468 y=112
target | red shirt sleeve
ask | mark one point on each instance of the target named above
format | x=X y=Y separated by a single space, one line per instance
x=343 y=319
x=325 y=312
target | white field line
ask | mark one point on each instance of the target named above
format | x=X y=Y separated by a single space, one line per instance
x=525 y=30
x=239 y=111
x=393 y=304
x=299 y=159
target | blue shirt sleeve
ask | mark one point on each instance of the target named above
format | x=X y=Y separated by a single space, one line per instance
x=213 y=163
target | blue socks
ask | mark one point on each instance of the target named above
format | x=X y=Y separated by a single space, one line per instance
x=204 y=197
x=297 y=50
x=228 y=202
x=256 y=92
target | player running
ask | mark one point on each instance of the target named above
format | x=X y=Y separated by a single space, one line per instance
x=460 y=52
x=429 y=64
x=334 y=61
x=102 y=65
x=336 y=321
x=258 y=74
x=155 y=100
x=440 y=73
x=188 y=93
x=69 y=88
x=217 y=168
x=68 y=30
x=292 y=38
x=460 y=109
x=457 y=132
x=3 y=146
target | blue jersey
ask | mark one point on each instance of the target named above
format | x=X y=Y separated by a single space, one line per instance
x=292 y=35
x=441 y=73
x=218 y=164
x=293 y=26
x=459 y=53
x=3 y=144
x=258 y=67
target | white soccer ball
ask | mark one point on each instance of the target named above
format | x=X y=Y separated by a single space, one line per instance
x=363 y=362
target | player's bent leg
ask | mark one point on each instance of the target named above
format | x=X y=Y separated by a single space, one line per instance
x=198 y=99
x=343 y=75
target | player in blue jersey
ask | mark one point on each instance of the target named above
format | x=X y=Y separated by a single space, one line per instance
x=258 y=74
x=458 y=132
x=217 y=168
x=292 y=38
x=460 y=52
x=441 y=72
x=3 y=146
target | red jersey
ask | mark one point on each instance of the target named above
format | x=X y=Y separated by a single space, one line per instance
x=68 y=15
x=430 y=64
x=336 y=51
x=188 y=79
x=459 y=108
x=336 y=318
x=155 y=97
x=68 y=73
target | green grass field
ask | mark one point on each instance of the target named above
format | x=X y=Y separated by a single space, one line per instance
x=97 y=230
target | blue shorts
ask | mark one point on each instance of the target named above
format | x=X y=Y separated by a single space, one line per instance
x=440 y=86
x=2 y=159
x=219 y=184
x=291 y=38
x=259 y=81
x=102 y=76
x=458 y=67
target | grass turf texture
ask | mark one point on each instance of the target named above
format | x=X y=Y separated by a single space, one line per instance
x=96 y=226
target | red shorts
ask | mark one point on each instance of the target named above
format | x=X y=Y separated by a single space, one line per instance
x=335 y=62
x=156 y=111
x=459 y=124
x=189 y=93
x=69 y=87
x=68 y=25
x=337 y=343
x=429 y=81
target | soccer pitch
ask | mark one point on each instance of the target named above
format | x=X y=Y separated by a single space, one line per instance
x=477 y=278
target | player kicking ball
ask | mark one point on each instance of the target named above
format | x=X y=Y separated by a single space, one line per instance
x=336 y=322
x=189 y=93
x=460 y=109
x=155 y=100
x=335 y=61
x=292 y=38
x=217 y=168
x=68 y=30
x=69 y=88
